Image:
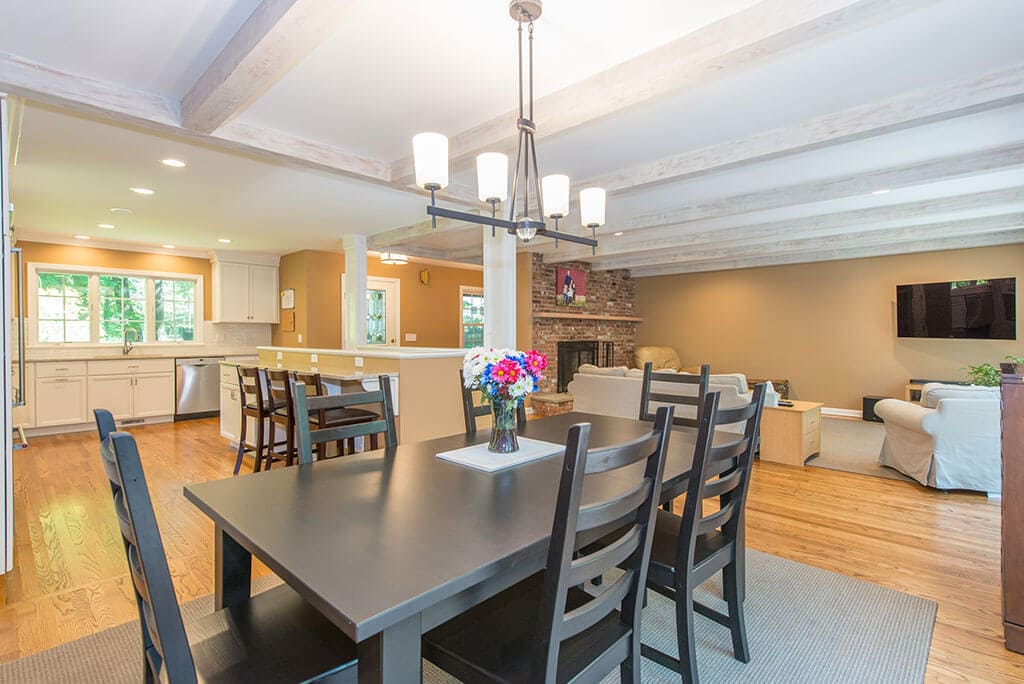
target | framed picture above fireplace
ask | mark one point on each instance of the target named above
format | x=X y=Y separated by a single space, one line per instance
x=570 y=287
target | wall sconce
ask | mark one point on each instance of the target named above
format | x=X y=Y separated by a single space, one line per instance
x=424 y=277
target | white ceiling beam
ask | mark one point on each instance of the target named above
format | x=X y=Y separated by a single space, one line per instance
x=926 y=106
x=863 y=236
x=276 y=36
x=406 y=234
x=743 y=40
x=659 y=241
x=963 y=242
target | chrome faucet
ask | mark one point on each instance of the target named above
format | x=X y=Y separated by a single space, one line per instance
x=128 y=346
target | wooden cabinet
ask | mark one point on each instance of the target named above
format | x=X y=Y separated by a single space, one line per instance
x=1013 y=511
x=61 y=401
x=141 y=388
x=791 y=434
x=153 y=395
x=245 y=293
x=230 y=412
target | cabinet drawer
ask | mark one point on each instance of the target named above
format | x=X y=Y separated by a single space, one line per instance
x=229 y=375
x=58 y=369
x=131 y=366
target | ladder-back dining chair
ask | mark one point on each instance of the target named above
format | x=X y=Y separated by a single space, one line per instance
x=307 y=407
x=471 y=411
x=238 y=644
x=547 y=628
x=689 y=550
x=347 y=416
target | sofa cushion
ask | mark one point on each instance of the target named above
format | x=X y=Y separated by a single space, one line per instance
x=591 y=369
x=933 y=392
x=660 y=357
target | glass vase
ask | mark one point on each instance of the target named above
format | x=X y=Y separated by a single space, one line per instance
x=504 y=439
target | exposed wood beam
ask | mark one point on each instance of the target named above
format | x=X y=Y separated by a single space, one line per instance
x=921 y=107
x=15 y=117
x=276 y=36
x=870 y=235
x=405 y=234
x=743 y=40
x=962 y=242
x=652 y=242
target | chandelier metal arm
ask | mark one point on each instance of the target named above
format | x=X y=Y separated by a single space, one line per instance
x=510 y=226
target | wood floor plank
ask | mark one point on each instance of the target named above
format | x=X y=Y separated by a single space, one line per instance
x=70 y=577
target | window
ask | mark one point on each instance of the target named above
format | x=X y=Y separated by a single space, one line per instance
x=63 y=307
x=472 y=329
x=92 y=306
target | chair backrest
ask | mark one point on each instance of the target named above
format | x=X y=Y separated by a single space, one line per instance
x=470 y=411
x=313 y=382
x=279 y=384
x=631 y=511
x=306 y=405
x=699 y=382
x=250 y=386
x=722 y=471
x=164 y=642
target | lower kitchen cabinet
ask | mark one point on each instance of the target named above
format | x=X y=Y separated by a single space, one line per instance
x=133 y=396
x=112 y=392
x=61 y=401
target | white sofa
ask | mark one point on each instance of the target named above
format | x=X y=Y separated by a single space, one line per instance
x=950 y=441
x=616 y=392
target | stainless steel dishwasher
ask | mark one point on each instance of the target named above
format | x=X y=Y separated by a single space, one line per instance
x=197 y=387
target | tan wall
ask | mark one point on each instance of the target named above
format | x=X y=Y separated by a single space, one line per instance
x=73 y=255
x=830 y=327
x=431 y=311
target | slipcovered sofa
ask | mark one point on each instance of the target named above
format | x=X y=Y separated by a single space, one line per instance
x=950 y=441
x=616 y=391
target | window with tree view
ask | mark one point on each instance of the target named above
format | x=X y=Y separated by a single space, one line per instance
x=175 y=307
x=122 y=307
x=63 y=307
x=472 y=318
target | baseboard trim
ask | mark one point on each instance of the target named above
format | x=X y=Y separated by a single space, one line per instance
x=843 y=413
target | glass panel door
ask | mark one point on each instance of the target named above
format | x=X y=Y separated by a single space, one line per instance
x=376 y=317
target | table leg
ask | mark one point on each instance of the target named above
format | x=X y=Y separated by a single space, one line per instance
x=233 y=568
x=393 y=656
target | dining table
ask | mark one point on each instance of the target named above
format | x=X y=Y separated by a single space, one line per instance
x=388 y=544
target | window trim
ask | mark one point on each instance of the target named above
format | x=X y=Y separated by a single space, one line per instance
x=32 y=318
x=463 y=291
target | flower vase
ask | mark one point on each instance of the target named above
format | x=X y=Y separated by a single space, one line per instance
x=504 y=439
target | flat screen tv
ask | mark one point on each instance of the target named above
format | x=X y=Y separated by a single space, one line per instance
x=968 y=309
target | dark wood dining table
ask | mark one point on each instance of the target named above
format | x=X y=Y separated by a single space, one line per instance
x=391 y=543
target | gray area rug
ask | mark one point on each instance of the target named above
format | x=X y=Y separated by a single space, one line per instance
x=803 y=624
x=853 y=447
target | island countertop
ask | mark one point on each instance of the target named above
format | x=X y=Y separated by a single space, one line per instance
x=376 y=352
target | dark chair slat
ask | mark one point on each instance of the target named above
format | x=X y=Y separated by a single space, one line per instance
x=597 y=563
x=613 y=458
x=333 y=434
x=712 y=522
x=600 y=514
x=724 y=484
x=673 y=399
x=328 y=402
x=308 y=408
x=729 y=452
x=647 y=396
x=595 y=610
x=736 y=414
x=472 y=411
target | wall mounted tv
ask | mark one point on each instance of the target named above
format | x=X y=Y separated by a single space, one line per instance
x=968 y=309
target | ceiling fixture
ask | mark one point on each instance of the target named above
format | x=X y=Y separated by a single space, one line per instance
x=550 y=194
x=81 y=237
x=168 y=246
x=173 y=163
x=880 y=191
x=141 y=191
x=120 y=210
x=105 y=226
x=224 y=241
x=392 y=259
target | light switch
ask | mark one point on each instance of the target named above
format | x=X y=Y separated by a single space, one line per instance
x=410 y=337
x=313 y=358
x=313 y=369
x=359 y=362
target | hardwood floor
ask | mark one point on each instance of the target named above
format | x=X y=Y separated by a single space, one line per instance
x=70 y=578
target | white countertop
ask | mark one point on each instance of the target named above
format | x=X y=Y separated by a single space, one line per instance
x=323 y=376
x=113 y=353
x=402 y=353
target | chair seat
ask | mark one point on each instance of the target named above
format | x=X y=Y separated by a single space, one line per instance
x=495 y=640
x=345 y=416
x=267 y=406
x=663 y=548
x=273 y=637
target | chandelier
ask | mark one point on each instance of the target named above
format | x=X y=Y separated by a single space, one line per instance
x=533 y=198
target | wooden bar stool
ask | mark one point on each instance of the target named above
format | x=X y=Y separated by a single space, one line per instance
x=255 y=404
x=334 y=418
x=283 y=413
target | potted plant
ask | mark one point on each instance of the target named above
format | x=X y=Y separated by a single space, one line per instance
x=1016 y=362
x=984 y=374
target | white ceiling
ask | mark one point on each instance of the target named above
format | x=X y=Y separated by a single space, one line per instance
x=393 y=68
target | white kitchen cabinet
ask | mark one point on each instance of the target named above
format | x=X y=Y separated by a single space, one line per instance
x=245 y=293
x=113 y=393
x=153 y=395
x=61 y=401
x=25 y=416
x=230 y=412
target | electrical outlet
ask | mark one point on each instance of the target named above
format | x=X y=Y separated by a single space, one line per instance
x=410 y=337
x=359 y=362
x=313 y=358
x=279 y=366
x=280 y=355
x=300 y=338
x=313 y=369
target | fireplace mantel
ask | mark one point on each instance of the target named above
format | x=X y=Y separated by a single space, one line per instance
x=585 y=317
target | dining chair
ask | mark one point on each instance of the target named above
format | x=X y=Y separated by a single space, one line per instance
x=307 y=408
x=696 y=398
x=692 y=548
x=255 y=404
x=315 y=388
x=548 y=628
x=237 y=644
x=471 y=411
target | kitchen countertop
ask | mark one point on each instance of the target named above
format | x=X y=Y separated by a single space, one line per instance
x=323 y=376
x=181 y=354
x=401 y=353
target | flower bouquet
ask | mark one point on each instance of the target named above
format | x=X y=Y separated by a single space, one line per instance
x=505 y=377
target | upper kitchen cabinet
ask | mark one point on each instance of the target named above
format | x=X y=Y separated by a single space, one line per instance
x=245 y=291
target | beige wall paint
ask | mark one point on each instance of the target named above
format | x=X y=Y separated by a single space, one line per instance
x=829 y=327
x=431 y=311
x=116 y=259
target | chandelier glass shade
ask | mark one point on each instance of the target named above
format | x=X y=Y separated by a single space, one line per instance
x=532 y=198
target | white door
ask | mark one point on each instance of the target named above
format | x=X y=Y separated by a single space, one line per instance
x=111 y=392
x=383 y=310
x=153 y=395
x=232 y=292
x=263 y=294
x=61 y=401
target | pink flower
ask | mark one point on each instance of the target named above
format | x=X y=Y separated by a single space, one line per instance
x=536 y=362
x=506 y=372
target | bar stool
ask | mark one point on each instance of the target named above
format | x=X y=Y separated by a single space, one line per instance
x=255 y=404
x=334 y=417
x=283 y=414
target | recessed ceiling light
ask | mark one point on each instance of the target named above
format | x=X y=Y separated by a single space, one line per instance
x=81 y=237
x=167 y=246
x=224 y=241
x=880 y=191
x=105 y=226
x=176 y=163
x=619 y=234
x=141 y=191
x=120 y=210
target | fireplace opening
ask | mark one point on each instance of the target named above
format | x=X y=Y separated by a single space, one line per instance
x=573 y=354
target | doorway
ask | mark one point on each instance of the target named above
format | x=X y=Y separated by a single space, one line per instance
x=383 y=311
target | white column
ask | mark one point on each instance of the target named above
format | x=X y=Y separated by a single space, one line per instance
x=354 y=325
x=499 y=289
